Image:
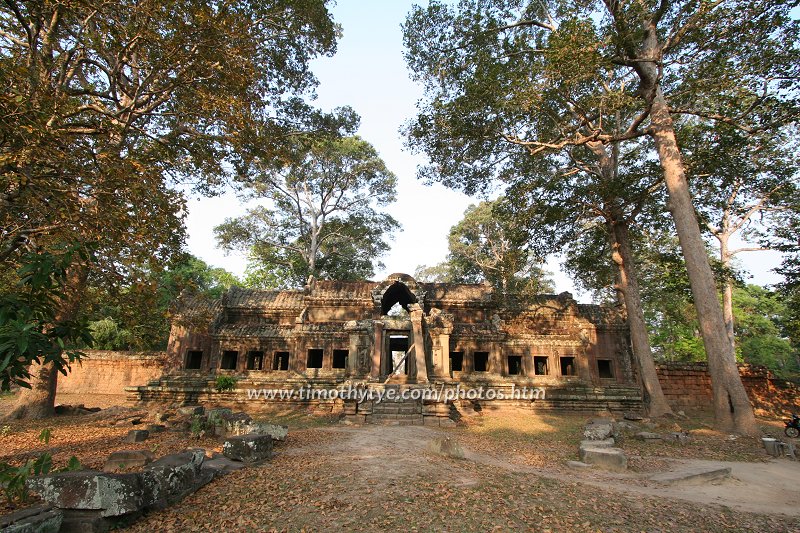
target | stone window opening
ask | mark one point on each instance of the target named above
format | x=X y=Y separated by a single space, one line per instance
x=280 y=361
x=480 y=361
x=255 y=360
x=514 y=365
x=604 y=369
x=340 y=358
x=568 y=366
x=314 y=359
x=229 y=360
x=194 y=360
x=456 y=361
x=540 y=366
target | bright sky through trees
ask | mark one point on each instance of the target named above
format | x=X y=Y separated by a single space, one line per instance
x=369 y=74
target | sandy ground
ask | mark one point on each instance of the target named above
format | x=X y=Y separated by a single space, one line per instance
x=389 y=453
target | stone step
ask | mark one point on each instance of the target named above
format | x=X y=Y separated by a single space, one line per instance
x=697 y=475
x=397 y=409
x=395 y=419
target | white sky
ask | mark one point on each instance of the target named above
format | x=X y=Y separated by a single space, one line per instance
x=369 y=74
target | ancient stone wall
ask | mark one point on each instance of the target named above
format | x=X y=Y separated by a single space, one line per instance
x=107 y=372
x=688 y=386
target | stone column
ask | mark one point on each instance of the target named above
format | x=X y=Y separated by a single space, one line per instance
x=419 y=343
x=352 y=357
x=377 y=349
x=495 y=365
x=444 y=345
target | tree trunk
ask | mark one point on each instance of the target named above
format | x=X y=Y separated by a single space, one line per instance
x=727 y=293
x=732 y=409
x=39 y=401
x=655 y=402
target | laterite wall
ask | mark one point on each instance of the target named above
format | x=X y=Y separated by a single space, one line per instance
x=107 y=372
x=688 y=386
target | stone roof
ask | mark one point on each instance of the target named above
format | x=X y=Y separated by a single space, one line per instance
x=259 y=299
x=342 y=290
x=456 y=292
x=251 y=330
x=191 y=305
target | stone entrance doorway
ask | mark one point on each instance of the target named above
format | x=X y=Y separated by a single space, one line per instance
x=397 y=347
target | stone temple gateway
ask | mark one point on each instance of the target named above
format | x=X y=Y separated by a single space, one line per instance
x=402 y=335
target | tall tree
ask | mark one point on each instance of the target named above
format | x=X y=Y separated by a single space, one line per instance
x=106 y=105
x=322 y=214
x=745 y=187
x=486 y=246
x=601 y=73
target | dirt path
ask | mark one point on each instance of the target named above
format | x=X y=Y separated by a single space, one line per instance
x=385 y=456
x=382 y=478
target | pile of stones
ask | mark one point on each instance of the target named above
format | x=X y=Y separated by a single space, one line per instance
x=598 y=447
x=602 y=436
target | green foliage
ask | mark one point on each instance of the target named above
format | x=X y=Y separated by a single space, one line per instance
x=759 y=315
x=137 y=317
x=488 y=246
x=322 y=218
x=31 y=328
x=45 y=434
x=107 y=335
x=225 y=383
x=202 y=424
x=112 y=111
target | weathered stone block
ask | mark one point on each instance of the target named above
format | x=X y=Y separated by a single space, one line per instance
x=598 y=429
x=697 y=475
x=647 y=435
x=631 y=415
x=112 y=494
x=219 y=466
x=276 y=431
x=606 y=458
x=219 y=413
x=248 y=448
x=87 y=521
x=605 y=443
x=446 y=446
x=172 y=477
x=42 y=518
x=678 y=436
x=137 y=435
x=127 y=459
x=577 y=465
x=191 y=410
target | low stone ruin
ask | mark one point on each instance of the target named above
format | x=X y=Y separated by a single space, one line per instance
x=598 y=449
x=777 y=448
x=133 y=482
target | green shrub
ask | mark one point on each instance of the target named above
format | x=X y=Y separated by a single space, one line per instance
x=225 y=383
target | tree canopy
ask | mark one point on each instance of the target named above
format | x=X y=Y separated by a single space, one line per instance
x=487 y=246
x=507 y=79
x=108 y=108
x=319 y=215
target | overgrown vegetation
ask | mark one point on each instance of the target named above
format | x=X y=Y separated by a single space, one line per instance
x=225 y=383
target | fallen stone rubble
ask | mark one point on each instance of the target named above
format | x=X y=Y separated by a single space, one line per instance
x=134 y=482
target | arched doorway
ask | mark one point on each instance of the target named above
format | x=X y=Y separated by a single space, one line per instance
x=397 y=292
